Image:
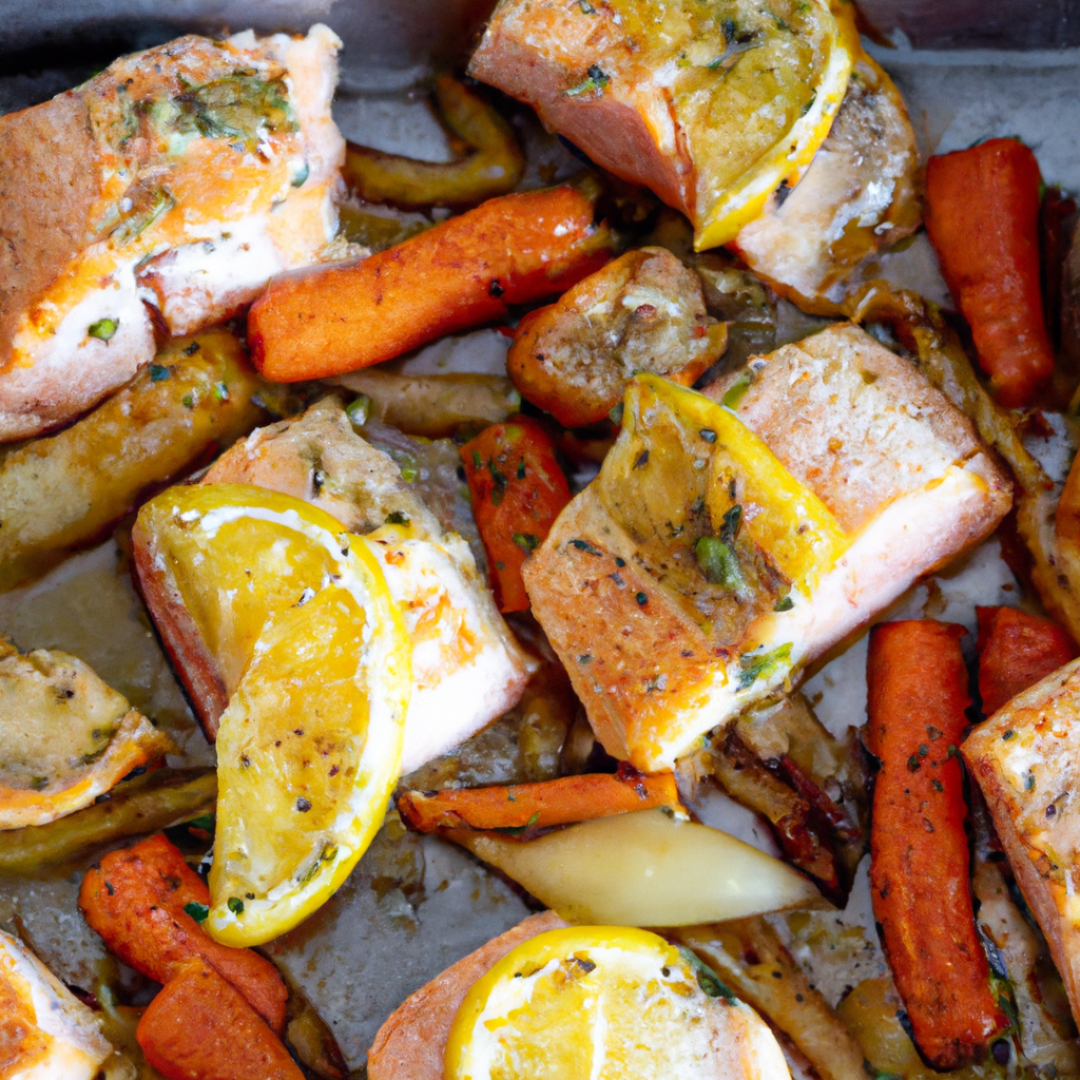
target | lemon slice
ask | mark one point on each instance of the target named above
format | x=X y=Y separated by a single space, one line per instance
x=605 y=1003
x=755 y=106
x=319 y=676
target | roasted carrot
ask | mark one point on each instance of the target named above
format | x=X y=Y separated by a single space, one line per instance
x=549 y=802
x=200 y=1027
x=144 y=901
x=982 y=216
x=518 y=490
x=919 y=869
x=513 y=250
x=1016 y=650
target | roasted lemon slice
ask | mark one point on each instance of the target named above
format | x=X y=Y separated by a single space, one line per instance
x=310 y=745
x=606 y=1003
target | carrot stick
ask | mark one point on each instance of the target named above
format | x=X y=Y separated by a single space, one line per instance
x=564 y=801
x=200 y=1027
x=141 y=901
x=982 y=216
x=518 y=490
x=513 y=250
x=1016 y=650
x=919 y=869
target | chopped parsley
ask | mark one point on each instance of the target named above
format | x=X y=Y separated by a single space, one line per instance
x=103 y=329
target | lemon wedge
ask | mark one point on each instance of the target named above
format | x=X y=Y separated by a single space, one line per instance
x=606 y=1003
x=317 y=665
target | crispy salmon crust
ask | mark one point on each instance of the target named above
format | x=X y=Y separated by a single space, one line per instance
x=1026 y=759
x=412 y=1042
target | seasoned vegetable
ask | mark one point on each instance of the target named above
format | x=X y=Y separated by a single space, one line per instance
x=643 y=312
x=67 y=737
x=434 y=406
x=493 y=168
x=62 y=491
x=748 y=956
x=644 y=869
x=982 y=216
x=148 y=905
x=1016 y=650
x=462 y=273
x=919 y=869
x=199 y=1026
x=518 y=490
x=156 y=800
x=528 y=806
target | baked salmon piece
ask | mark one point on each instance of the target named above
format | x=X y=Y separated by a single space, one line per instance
x=728 y=542
x=162 y=194
x=710 y=107
x=1026 y=759
x=468 y=668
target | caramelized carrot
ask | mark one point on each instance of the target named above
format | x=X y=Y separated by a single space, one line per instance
x=549 y=802
x=982 y=216
x=1016 y=650
x=143 y=901
x=200 y=1027
x=518 y=490
x=919 y=869
x=513 y=250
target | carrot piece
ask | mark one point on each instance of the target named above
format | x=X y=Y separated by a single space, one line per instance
x=518 y=490
x=564 y=801
x=982 y=216
x=513 y=250
x=1016 y=650
x=919 y=869
x=200 y=1027
x=138 y=899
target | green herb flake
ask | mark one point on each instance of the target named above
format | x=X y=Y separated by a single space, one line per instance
x=159 y=373
x=616 y=414
x=197 y=911
x=708 y=435
x=937 y=785
x=1010 y=734
x=706 y=977
x=103 y=329
x=359 y=410
x=221 y=392
x=206 y=822
x=594 y=84
x=933 y=733
x=192 y=349
x=584 y=545
x=756 y=665
x=586 y=7
x=785 y=603
x=517 y=830
x=187 y=401
x=924 y=750
x=809 y=105
x=301 y=175
x=1029 y=783
x=521 y=470
x=737 y=391
x=235 y=905
x=477 y=460
x=642 y=599
x=584 y=658
x=719 y=563
x=526 y=541
x=397 y=517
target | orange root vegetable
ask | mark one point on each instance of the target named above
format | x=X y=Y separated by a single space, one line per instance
x=919 y=870
x=514 y=250
x=200 y=1027
x=982 y=216
x=518 y=490
x=142 y=901
x=1016 y=650
x=564 y=801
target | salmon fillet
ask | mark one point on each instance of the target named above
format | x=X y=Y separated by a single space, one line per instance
x=468 y=668
x=1026 y=759
x=160 y=195
x=662 y=640
x=412 y=1042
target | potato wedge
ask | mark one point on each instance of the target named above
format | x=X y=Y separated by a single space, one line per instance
x=62 y=491
x=644 y=869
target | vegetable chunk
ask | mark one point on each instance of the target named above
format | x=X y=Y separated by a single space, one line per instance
x=725 y=545
x=147 y=904
x=643 y=312
x=464 y=272
x=199 y=1027
x=1016 y=650
x=982 y=216
x=920 y=867
x=518 y=490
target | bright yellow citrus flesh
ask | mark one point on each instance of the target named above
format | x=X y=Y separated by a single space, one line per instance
x=318 y=663
x=595 y=1003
